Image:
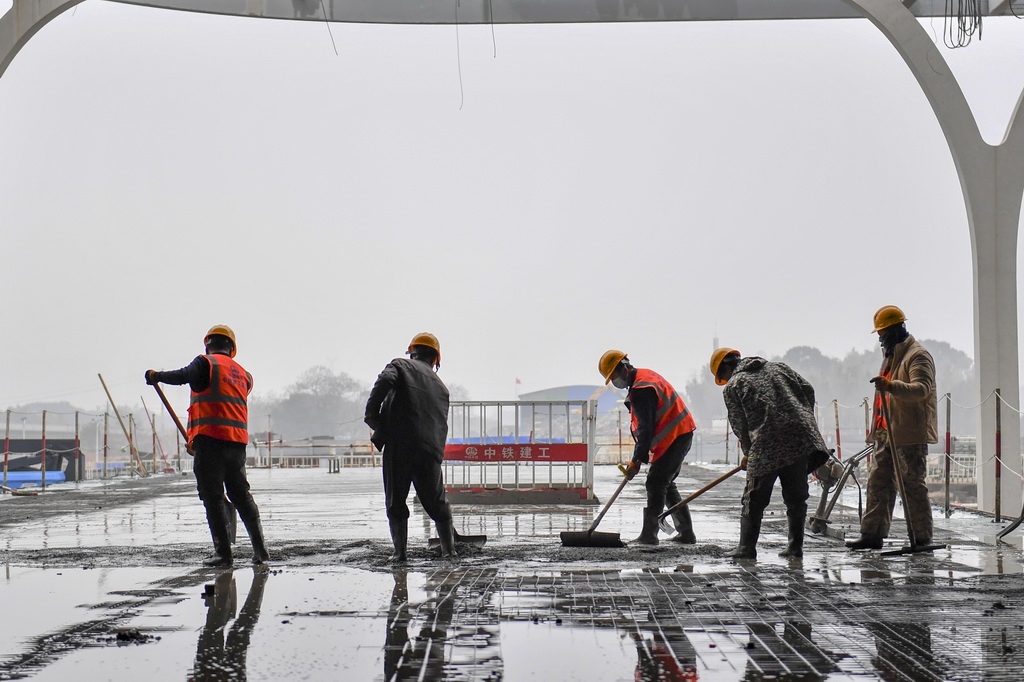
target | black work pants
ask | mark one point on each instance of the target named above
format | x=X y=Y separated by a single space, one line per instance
x=661 y=476
x=758 y=492
x=219 y=466
x=406 y=466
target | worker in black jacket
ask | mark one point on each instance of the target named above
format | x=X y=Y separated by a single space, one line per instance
x=408 y=412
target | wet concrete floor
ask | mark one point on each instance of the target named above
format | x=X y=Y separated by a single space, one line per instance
x=101 y=582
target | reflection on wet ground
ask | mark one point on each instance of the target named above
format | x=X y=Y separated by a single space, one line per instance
x=521 y=608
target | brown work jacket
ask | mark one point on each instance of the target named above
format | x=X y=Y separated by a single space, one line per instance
x=913 y=404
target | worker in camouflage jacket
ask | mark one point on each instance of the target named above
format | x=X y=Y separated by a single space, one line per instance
x=906 y=382
x=771 y=411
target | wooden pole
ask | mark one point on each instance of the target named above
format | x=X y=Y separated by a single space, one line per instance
x=131 y=445
x=43 y=454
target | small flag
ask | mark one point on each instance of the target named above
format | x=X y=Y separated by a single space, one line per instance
x=518 y=381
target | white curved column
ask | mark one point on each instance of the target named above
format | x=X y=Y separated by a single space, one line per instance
x=992 y=180
x=23 y=21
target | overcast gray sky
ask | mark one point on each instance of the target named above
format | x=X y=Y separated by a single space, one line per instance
x=596 y=186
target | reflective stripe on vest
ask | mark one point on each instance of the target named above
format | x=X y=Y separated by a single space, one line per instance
x=221 y=410
x=672 y=417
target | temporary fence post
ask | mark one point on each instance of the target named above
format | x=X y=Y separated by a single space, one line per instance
x=591 y=446
x=106 y=441
x=7 y=444
x=727 y=442
x=42 y=455
x=949 y=455
x=152 y=424
x=270 y=451
x=839 y=446
x=999 y=455
x=131 y=439
x=78 y=447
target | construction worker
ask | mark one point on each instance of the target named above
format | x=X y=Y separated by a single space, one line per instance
x=771 y=411
x=906 y=382
x=663 y=429
x=217 y=436
x=408 y=413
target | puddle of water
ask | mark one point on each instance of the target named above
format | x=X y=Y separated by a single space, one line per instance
x=545 y=651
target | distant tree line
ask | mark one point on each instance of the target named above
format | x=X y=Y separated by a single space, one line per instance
x=847 y=380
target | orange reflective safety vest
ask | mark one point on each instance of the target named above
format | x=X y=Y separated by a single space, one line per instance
x=672 y=417
x=221 y=410
x=880 y=424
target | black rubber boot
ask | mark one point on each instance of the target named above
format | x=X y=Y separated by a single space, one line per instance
x=260 y=555
x=649 y=534
x=750 y=529
x=399 y=538
x=217 y=519
x=866 y=541
x=446 y=534
x=795 y=548
x=684 y=526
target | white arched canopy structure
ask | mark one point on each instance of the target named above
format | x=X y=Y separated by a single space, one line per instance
x=991 y=176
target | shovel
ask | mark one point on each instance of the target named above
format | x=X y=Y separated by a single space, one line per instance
x=663 y=521
x=589 y=538
x=473 y=540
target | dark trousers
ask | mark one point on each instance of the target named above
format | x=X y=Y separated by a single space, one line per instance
x=219 y=466
x=405 y=467
x=661 y=476
x=758 y=492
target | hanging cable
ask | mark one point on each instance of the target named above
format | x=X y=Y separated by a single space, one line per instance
x=968 y=22
x=329 y=31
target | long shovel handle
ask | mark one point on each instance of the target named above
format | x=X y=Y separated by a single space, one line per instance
x=607 y=505
x=170 y=411
x=665 y=514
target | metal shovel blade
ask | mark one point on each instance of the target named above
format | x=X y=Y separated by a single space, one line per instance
x=473 y=540
x=590 y=539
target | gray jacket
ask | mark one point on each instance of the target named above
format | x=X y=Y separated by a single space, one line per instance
x=771 y=411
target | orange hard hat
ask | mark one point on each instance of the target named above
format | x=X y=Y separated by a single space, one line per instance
x=717 y=357
x=608 y=362
x=430 y=341
x=222 y=330
x=887 y=316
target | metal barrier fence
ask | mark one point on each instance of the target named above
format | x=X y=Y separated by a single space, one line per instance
x=521 y=451
x=310 y=453
x=79 y=446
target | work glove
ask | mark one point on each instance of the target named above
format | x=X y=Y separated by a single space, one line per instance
x=631 y=470
x=151 y=377
x=882 y=385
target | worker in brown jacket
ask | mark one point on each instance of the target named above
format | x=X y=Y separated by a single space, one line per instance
x=906 y=382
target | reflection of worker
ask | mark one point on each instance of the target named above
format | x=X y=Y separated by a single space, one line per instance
x=408 y=412
x=906 y=383
x=663 y=428
x=218 y=433
x=771 y=411
x=221 y=655
x=409 y=655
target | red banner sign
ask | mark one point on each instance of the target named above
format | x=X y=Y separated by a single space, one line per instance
x=522 y=452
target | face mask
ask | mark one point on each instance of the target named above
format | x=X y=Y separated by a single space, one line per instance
x=620 y=382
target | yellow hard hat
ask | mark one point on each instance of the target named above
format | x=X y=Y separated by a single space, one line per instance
x=429 y=340
x=887 y=316
x=222 y=330
x=608 y=362
x=716 y=362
